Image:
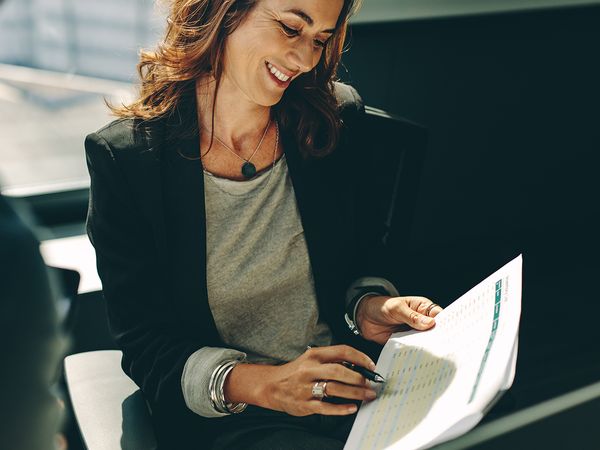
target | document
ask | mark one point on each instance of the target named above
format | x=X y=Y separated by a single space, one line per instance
x=441 y=382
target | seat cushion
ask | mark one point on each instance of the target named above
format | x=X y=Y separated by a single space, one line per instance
x=109 y=407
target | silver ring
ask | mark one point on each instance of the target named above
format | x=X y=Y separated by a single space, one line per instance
x=318 y=390
x=430 y=307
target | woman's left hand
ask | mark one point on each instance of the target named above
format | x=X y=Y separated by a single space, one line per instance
x=380 y=316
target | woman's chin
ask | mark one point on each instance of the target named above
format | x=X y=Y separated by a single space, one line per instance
x=271 y=98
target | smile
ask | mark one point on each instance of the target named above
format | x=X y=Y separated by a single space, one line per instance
x=277 y=73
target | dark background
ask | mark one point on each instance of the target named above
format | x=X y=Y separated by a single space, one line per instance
x=511 y=103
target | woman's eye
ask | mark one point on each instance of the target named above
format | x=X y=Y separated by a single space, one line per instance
x=288 y=30
x=292 y=32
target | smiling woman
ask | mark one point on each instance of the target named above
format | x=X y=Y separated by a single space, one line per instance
x=211 y=43
x=225 y=228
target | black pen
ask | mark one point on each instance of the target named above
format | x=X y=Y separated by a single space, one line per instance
x=369 y=375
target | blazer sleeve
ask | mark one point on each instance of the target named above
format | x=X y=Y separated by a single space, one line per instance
x=140 y=317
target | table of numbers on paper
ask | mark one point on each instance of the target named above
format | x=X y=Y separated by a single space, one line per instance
x=440 y=382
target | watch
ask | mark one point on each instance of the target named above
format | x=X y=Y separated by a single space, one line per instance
x=352 y=306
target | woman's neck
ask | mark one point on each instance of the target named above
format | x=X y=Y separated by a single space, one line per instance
x=237 y=119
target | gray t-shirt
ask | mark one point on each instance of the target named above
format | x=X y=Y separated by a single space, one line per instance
x=260 y=285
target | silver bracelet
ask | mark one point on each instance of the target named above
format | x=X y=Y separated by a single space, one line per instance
x=212 y=390
x=232 y=408
x=216 y=389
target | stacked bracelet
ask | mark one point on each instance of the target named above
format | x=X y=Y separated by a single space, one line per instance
x=216 y=389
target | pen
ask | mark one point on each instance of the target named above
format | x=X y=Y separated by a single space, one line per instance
x=369 y=375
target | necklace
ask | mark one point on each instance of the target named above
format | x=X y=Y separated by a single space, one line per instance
x=275 y=148
x=274 y=153
x=248 y=169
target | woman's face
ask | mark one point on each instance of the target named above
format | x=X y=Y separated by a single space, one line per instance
x=278 y=41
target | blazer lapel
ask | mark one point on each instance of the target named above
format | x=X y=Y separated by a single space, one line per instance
x=186 y=229
x=323 y=203
x=142 y=167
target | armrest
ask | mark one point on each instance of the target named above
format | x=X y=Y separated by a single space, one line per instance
x=109 y=407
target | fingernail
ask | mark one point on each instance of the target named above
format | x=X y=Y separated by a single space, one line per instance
x=352 y=409
x=426 y=320
x=371 y=395
x=372 y=366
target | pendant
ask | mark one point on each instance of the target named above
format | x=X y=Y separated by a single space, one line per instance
x=248 y=169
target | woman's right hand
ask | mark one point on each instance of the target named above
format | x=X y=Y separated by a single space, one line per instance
x=289 y=386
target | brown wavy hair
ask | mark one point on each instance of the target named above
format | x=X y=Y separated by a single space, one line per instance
x=193 y=47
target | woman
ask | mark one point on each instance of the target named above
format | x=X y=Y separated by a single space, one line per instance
x=225 y=230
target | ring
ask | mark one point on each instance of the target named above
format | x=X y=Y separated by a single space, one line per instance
x=430 y=307
x=318 y=390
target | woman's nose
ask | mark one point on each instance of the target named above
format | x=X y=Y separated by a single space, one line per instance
x=303 y=55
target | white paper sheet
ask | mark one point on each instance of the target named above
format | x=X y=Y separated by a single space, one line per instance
x=440 y=381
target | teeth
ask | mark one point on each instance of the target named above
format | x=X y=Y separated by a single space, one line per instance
x=277 y=73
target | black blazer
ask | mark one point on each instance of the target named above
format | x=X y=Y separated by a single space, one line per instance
x=146 y=221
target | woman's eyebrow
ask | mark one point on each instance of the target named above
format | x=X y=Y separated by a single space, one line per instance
x=307 y=18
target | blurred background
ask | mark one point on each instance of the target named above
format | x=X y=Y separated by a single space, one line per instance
x=509 y=94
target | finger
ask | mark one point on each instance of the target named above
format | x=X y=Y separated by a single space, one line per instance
x=337 y=372
x=332 y=409
x=339 y=353
x=435 y=311
x=419 y=304
x=414 y=318
x=335 y=389
x=425 y=306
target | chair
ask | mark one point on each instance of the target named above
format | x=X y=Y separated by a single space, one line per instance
x=109 y=408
